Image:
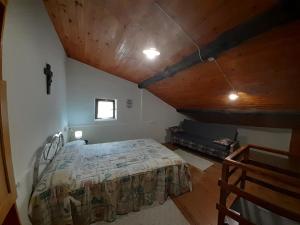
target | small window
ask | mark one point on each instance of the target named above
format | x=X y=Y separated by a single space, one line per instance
x=105 y=109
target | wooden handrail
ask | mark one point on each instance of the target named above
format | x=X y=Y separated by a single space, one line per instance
x=266 y=149
x=274 y=168
x=256 y=200
x=237 y=152
x=239 y=160
x=273 y=187
x=278 y=176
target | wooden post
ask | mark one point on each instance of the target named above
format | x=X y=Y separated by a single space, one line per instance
x=295 y=142
x=223 y=193
x=244 y=173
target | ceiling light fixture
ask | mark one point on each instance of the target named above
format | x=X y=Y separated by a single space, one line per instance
x=151 y=53
x=233 y=96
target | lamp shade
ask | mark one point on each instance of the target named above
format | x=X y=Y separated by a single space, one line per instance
x=78 y=134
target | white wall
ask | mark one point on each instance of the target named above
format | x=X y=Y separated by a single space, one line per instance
x=29 y=42
x=270 y=137
x=85 y=83
x=149 y=116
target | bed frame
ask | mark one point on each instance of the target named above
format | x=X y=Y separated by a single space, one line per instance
x=245 y=165
x=46 y=154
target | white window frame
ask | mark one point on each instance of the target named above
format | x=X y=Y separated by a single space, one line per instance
x=96 y=109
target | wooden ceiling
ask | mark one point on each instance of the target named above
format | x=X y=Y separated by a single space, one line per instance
x=111 y=35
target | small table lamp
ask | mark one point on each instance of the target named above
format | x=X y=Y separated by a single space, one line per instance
x=78 y=134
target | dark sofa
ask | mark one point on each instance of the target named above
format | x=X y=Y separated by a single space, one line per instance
x=212 y=139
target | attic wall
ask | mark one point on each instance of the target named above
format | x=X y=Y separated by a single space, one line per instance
x=148 y=118
x=29 y=42
x=269 y=137
x=84 y=83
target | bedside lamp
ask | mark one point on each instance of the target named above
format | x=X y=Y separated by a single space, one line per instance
x=78 y=134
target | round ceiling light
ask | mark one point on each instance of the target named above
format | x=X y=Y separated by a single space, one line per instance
x=233 y=96
x=151 y=53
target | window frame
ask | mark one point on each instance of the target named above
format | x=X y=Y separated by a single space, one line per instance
x=114 y=101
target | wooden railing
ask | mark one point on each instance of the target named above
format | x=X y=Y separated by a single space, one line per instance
x=242 y=168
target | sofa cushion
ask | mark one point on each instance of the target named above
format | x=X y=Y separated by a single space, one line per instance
x=201 y=148
x=224 y=141
x=200 y=141
x=209 y=130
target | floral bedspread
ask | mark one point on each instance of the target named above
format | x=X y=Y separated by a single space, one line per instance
x=90 y=183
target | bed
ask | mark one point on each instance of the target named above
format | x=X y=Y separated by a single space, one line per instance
x=87 y=183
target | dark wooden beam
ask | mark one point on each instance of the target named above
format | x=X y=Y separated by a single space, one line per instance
x=282 y=13
x=246 y=117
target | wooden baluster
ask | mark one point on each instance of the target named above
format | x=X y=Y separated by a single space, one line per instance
x=244 y=173
x=223 y=193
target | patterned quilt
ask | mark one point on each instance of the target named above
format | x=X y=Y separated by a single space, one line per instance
x=89 y=183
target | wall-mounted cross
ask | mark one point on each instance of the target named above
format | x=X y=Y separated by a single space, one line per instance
x=49 y=75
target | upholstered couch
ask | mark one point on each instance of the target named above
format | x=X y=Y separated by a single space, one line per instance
x=212 y=139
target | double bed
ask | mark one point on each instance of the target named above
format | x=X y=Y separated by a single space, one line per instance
x=87 y=183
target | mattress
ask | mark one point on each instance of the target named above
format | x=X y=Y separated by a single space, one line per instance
x=89 y=183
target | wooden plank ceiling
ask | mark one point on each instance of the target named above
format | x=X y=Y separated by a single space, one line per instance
x=111 y=35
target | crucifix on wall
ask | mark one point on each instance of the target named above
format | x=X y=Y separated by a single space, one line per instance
x=49 y=75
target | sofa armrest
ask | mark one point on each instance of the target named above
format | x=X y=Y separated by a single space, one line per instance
x=171 y=131
x=234 y=146
x=175 y=129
